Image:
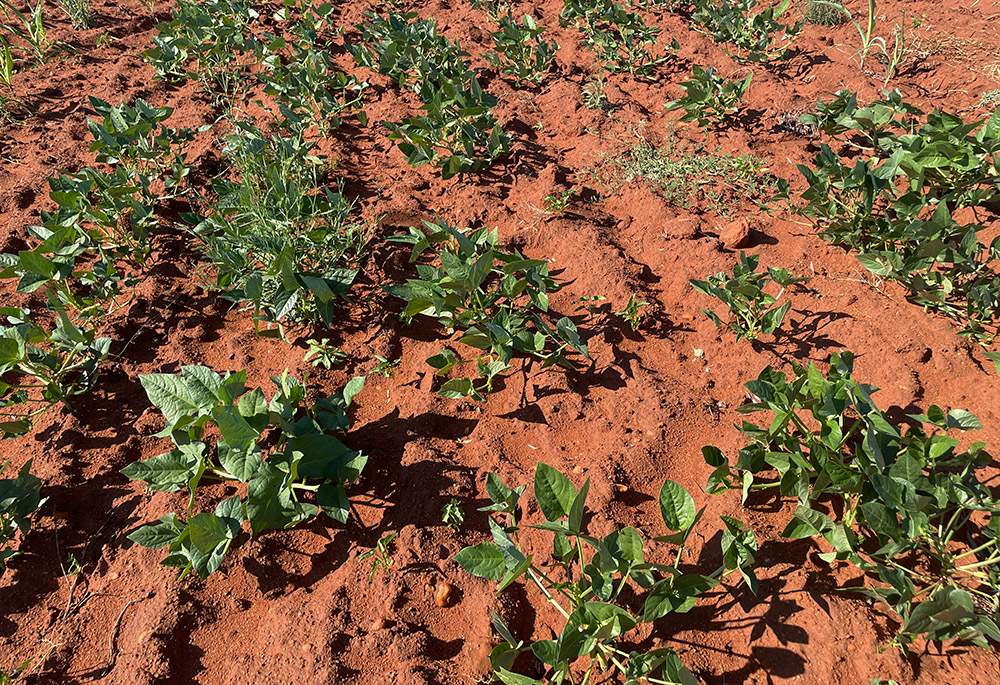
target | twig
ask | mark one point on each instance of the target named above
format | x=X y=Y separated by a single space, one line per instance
x=113 y=639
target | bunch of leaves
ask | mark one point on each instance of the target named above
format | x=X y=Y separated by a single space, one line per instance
x=520 y=51
x=44 y=365
x=279 y=238
x=632 y=312
x=409 y=50
x=708 y=97
x=78 y=12
x=284 y=450
x=211 y=42
x=752 y=311
x=301 y=77
x=452 y=514
x=685 y=173
x=621 y=39
x=379 y=554
x=492 y=300
x=457 y=132
x=747 y=36
x=19 y=500
x=904 y=504
x=136 y=140
x=494 y=8
x=587 y=579
x=29 y=28
x=893 y=200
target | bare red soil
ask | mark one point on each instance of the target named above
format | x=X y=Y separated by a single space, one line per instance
x=296 y=606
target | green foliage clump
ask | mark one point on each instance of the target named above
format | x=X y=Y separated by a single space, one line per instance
x=620 y=39
x=595 y=582
x=282 y=449
x=686 y=174
x=902 y=503
x=894 y=200
x=212 y=42
x=19 y=500
x=708 y=97
x=457 y=132
x=753 y=37
x=752 y=311
x=279 y=239
x=102 y=219
x=825 y=13
x=520 y=51
x=496 y=302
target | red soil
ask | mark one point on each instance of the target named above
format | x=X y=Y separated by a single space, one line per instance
x=296 y=606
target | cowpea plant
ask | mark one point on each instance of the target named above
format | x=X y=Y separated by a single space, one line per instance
x=39 y=369
x=896 y=200
x=586 y=579
x=494 y=301
x=520 y=51
x=903 y=503
x=708 y=97
x=457 y=131
x=752 y=311
x=283 y=450
x=753 y=36
x=19 y=500
x=208 y=41
x=620 y=39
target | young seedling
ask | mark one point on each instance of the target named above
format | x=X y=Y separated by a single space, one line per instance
x=904 y=504
x=379 y=555
x=633 y=312
x=29 y=28
x=709 y=98
x=78 y=12
x=620 y=39
x=322 y=353
x=590 y=305
x=596 y=583
x=556 y=204
x=752 y=311
x=386 y=367
x=452 y=514
x=869 y=41
x=283 y=450
x=594 y=95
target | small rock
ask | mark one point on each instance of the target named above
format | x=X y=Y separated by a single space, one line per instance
x=443 y=594
x=736 y=234
x=378 y=624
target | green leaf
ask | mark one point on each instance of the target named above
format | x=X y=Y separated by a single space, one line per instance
x=235 y=430
x=167 y=472
x=554 y=492
x=170 y=394
x=484 y=560
x=676 y=506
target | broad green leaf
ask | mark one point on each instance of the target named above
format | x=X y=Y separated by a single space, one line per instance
x=676 y=506
x=554 y=492
x=170 y=394
x=484 y=560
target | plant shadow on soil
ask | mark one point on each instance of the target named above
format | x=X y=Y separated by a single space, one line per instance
x=399 y=489
x=804 y=339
